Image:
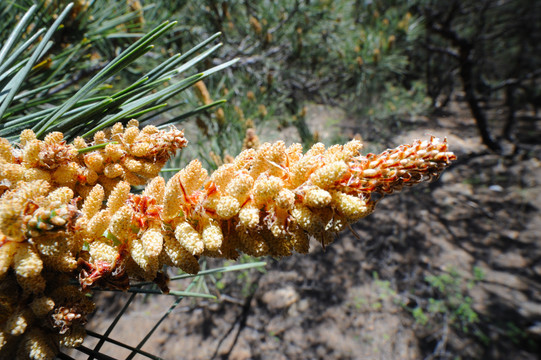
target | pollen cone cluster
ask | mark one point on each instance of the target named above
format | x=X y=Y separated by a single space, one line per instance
x=271 y=200
x=67 y=212
x=120 y=154
x=47 y=232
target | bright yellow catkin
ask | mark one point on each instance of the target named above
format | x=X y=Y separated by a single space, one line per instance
x=156 y=189
x=140 y=149
x=249 y=216
x=113 y=170
x=18 y=322
x=36 y=174
x=26 y=262
x=118 y=197
x=11 y=172
x=94 y=161
x=221 y=178
x=149 y=264
x=73 y=338
x=93 y=201
x=212 y=236
x=267 y=201
x=227 y=207
x=317 y=198
x=61 y=195
x=329 y=174
x=285 y=199
x=192 y=177
x=98 y=224
x=114 y=152
x=238 y=186
x=266 y=188
x=152 y=241
x=41 y=227
x=175 y=255
x=352 y=207
x=103 y=250
x=172 y=198
x=121 y=224
x=189 y=238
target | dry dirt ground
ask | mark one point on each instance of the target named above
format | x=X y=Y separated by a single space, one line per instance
x=449 y=270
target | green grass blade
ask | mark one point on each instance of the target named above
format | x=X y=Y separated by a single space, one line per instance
x=8 y=93
x=95 y=147
x=128 y=56
x=176 y=59
x=220 y=67
x=154 y=115
x=223 y=269
x=144 y=41
x=80 y=117
x=21 y=75
x=205 y=74
x=17 y=55
x=107 y=105
x=199 y=46
x=236 y=267
x=24 y=118
x=195 y=60
x=135 y=85
x=143 y=112
x=44 y=125
x=66 y=61
x=119 y=20
x=190 y=113
x=163 y=67
x=191 y=294
x=132 y=107
x=35 y=102
x=79 y=107
x=16 y=33
x=120 y=35
x=37 y=90
x=159 y=292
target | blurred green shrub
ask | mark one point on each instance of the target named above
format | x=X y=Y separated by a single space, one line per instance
x=445 y=303
x=353 y=54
